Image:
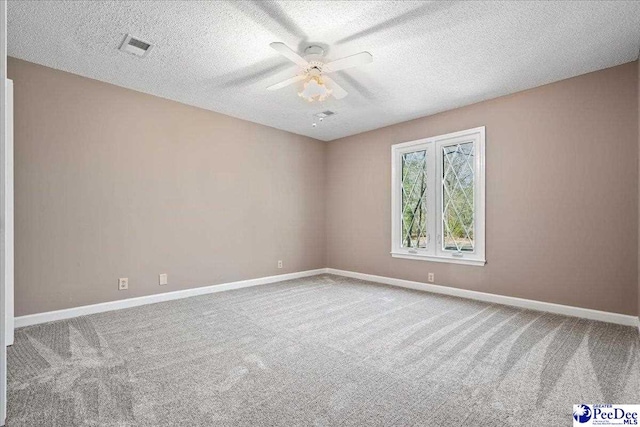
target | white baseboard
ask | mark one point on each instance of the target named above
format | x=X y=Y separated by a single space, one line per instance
x=566 y=310
x=34 y=319
x=603 y=316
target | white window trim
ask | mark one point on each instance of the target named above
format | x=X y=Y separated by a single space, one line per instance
x=433 y=251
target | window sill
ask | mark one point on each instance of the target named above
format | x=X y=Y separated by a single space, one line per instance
x=433 y=258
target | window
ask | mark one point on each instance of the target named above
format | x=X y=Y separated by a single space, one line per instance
x=438 y=198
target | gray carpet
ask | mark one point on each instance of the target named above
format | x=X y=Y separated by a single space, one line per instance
x=320 y=351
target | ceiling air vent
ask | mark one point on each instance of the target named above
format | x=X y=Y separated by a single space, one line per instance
x=135 y=46
x=324 y=114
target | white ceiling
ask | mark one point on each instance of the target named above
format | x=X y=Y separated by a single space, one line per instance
x=428 y=56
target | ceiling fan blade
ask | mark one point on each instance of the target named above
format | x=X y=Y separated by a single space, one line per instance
x=285 y=51
x=348 y=62
x=337 y=91
x=286 y=82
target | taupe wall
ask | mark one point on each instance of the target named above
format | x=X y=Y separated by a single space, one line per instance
x=115 y=183
x=562 y=194
x=112 y=183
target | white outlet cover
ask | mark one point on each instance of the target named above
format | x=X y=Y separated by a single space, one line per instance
x=163 y=278
x=123 y=283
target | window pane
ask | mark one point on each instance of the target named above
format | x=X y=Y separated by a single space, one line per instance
x=414 y=203
x=457 y=197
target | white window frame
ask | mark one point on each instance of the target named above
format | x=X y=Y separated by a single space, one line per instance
x=434 y=250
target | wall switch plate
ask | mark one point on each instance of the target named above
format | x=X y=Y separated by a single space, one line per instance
x=123 y=284
x=280 y=264
x=431 y=278
x=163 y=278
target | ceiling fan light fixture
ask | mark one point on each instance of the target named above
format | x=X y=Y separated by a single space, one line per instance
x=315 y=90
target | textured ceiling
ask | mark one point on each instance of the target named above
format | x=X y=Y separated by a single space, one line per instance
x=428 y=56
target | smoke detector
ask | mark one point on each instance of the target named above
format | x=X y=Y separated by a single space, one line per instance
x=324 y=114
x=321 y=116
x=135 y=46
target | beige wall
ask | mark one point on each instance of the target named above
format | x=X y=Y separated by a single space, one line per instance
x=115 y=183
x=562 y=194
x=112 y=183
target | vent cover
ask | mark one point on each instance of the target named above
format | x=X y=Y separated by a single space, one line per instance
x=135 y=46
x=324 y=114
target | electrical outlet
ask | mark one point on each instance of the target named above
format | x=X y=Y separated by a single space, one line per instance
x=123 y=284
x=163 y=279
x=280 y=264
x=431 y=278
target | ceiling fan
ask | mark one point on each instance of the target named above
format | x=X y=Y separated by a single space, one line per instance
x=314 y=71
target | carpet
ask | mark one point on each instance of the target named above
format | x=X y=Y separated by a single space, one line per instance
x=318 y=351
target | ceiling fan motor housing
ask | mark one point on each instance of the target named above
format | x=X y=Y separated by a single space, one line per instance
x=314 y=68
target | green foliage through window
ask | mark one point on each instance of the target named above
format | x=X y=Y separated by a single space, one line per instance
x=457 y=193
x=414 y=203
